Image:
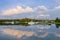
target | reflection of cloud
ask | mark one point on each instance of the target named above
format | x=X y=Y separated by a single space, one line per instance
x=41 y=35
x=43 y=27
x=28 y=34
x=17 y=33
x=57 y=34
x=20 y=33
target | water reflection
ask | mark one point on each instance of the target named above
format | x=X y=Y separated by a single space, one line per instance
x=24 y=24
x=21 y=33
x=43 y=35
x=57 y=34
x=17 y=33
x=57 y=25
x=31 y=32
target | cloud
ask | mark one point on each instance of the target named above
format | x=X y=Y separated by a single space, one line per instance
x=44 y=15
x=57 y=1
x=20 y=10
x=34 y=11
x=51 y=13
x=41 y=8
x=57 y=8
x=13 y=11
x=17 y=10
x=29 y=9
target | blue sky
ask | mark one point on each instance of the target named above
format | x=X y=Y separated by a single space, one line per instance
x=29 y=8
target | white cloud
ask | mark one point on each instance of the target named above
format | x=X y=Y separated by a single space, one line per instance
x=41 y=15
x=29 y=9
x=57 y=8
x=17 y=10
x=13 y=11
x=51 y=13
x=44 y=15
x=20 y=10
x=43 y=8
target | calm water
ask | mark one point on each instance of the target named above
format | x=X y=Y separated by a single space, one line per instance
x=33 y=32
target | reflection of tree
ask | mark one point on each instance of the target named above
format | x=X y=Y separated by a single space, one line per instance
x=24 y=24
x=57 y=25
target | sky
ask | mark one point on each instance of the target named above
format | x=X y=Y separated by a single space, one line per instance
x=41 y=9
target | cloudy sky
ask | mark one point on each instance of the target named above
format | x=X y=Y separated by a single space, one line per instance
x=30 y=8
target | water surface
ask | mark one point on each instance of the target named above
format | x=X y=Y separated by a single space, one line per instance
x=32 y=32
